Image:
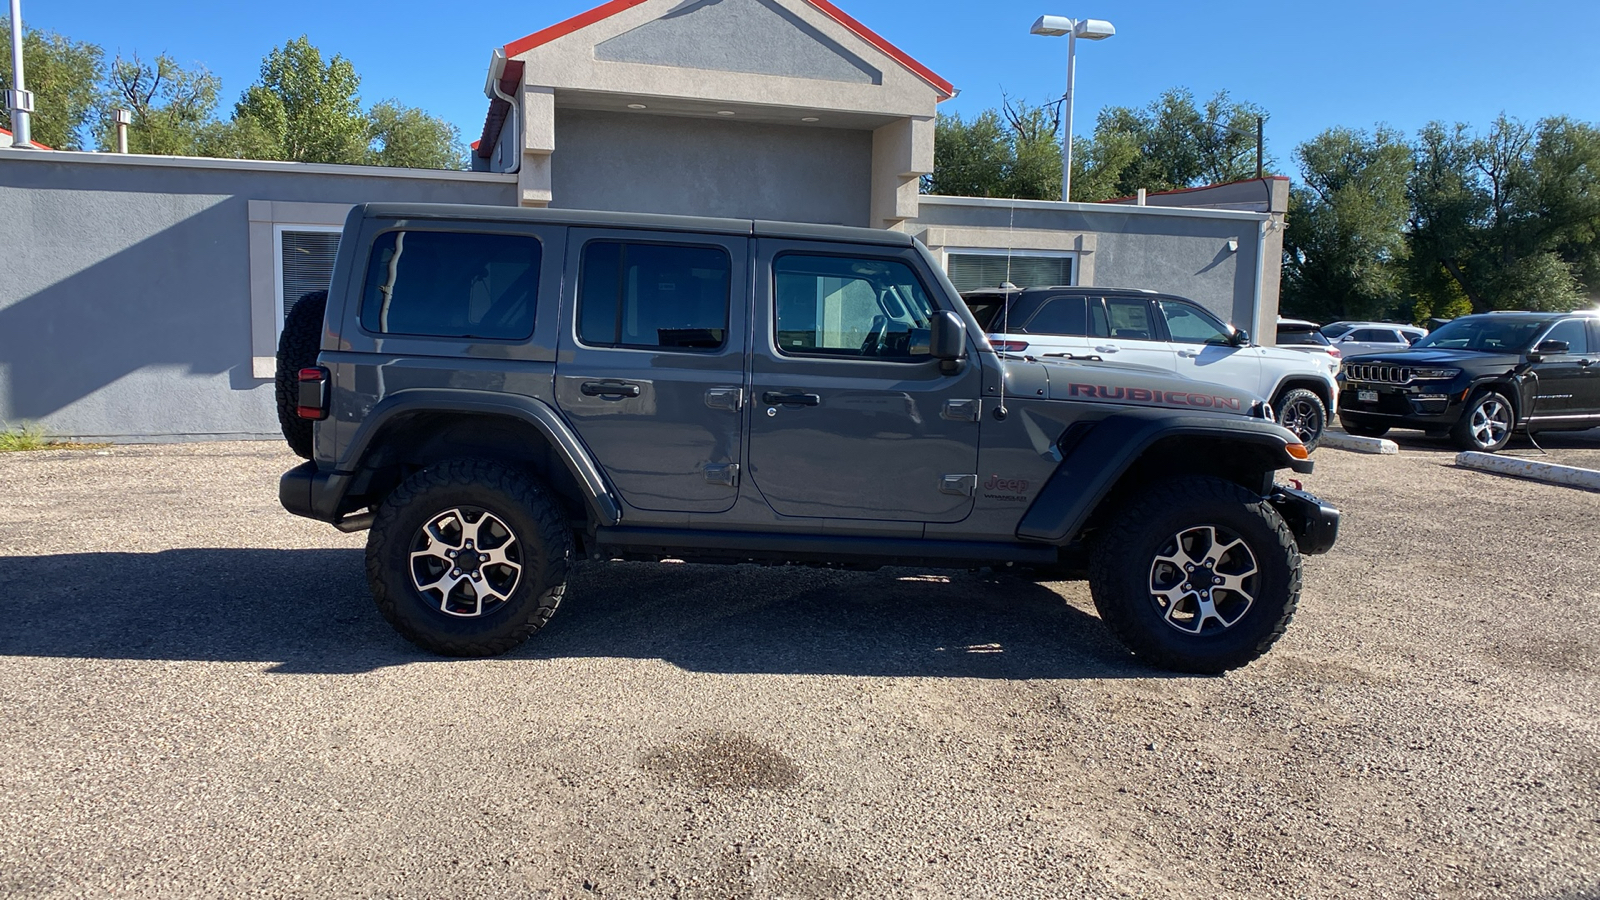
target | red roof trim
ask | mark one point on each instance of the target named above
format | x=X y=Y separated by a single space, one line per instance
x=34 y=143
x=607 y=10
x=1203 y=187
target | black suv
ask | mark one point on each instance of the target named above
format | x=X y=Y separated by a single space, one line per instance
x=499 y=393
x=1480 y=378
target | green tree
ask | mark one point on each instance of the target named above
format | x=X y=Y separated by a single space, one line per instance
x=303 y=109
x=970 y=159
x=408 y=137
x=64 y=76
x=1346 y=237
x=1507 y=219
x=1172 y=143
x=172 y=107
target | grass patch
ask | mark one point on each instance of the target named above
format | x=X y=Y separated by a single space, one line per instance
x=34 y=437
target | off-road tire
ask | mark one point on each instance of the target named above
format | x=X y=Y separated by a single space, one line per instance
x=1121 y=569
x=529 y=513
x=1468 y=434
x=297 y=349
x=1359 y=430
x=1301 y=405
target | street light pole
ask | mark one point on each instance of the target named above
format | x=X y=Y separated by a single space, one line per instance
x=20 y=99
x=1089 y=29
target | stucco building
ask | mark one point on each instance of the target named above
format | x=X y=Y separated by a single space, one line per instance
x=145 y=295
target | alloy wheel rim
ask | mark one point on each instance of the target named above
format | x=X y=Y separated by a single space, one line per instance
x=465 y=561
x=1203 y=580
x=1300 y=417
x=1491 y=420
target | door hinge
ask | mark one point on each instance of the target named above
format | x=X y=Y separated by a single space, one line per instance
x=960 y=485
x=728 y=474
x=961 y=410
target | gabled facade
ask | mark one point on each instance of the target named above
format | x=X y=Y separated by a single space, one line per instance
x=780 y=109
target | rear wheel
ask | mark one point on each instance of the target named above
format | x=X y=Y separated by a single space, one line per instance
x=297 y=349
x=1196 y=575
x=1303 y=413
x=469 y=557
x=1486 y=423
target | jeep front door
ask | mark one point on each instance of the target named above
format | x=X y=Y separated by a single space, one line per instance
x=651 y=366
x=851 y=418
x=1204 y=348
x=1565 y=389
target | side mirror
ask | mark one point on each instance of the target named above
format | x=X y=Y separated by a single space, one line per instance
x=1553 y=347
x=1347 y=339
x=1241 y=338
x=947 y=337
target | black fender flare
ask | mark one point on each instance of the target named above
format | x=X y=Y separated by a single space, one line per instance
x=602 y=501
x=1094 y=465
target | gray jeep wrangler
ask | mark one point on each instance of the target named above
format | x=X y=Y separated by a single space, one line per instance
x=500 y=393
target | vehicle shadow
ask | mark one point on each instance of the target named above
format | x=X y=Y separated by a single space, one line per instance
x=308 y=611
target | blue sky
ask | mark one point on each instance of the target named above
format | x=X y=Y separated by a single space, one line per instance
x=1311 y=65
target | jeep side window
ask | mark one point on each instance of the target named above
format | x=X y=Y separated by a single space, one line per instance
x=842 y=306
x=452 y=284
x=1189 y=325
x=1066 y=316
x=1127 y=319
x=653 y=296
x=1570 y=331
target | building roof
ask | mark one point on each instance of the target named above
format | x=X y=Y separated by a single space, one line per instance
x=607 y=10
x=9 y=142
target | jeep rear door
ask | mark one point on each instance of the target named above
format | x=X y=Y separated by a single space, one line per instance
x=851 y=418
x=651 y=363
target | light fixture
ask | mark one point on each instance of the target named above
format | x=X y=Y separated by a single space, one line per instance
x=810 y=119
x=724 y=112
x=1089 y=30
x=636 y=106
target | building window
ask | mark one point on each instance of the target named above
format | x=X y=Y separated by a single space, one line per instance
x=303 y=258
x=971 y=270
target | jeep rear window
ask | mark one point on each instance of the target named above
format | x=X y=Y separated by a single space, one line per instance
x=452 y=284
x=653 y=296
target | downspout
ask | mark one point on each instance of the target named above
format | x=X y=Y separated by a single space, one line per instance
x=1261 y=275
x=491 y=89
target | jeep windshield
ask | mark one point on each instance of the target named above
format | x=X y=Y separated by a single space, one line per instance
x=1484 y=335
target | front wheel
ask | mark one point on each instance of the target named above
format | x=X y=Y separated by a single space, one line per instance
x=1303 y=413
x=1196 y=575
x=1485 y=424
x=468 y=557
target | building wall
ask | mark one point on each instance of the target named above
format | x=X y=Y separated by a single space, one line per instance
x=1181 y=251
x=126 y=285
x=701 y=167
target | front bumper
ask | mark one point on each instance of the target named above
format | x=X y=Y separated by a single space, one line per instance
x=1315 y=524
x=1428 y=407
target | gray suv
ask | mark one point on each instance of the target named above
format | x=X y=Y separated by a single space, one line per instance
x=499 y=393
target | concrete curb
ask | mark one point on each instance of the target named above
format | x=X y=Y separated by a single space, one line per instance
x=1569 y=476
x=1359 y=444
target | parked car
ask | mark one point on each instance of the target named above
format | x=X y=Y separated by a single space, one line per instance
x=1303 y=336
x=1165 y=332
x=498 y=394
x=1481 y=378
x=1360 y=338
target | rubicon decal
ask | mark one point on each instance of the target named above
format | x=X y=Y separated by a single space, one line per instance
x=1144 y=395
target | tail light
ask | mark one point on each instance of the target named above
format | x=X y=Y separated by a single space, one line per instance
x=313 y=397
x=1334 y=352
x=1009 y=346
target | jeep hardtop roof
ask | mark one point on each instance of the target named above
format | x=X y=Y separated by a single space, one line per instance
x=989 y=293
x=654 y=221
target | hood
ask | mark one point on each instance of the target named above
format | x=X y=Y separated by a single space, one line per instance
x=1438 y=356
x=1124 y=385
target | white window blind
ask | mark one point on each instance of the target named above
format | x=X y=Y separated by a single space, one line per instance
x=971 y=271
x=305 y=263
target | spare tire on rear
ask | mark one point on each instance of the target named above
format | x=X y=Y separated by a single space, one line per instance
x=297 y=349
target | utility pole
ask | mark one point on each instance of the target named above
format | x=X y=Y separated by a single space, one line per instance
x=19 y=98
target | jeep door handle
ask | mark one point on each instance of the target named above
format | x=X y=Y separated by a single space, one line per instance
x=1188 y=354
x=1106 y=348
x=609 y=389
x=778 y=398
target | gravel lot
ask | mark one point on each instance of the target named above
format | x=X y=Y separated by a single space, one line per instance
x=199 y=700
